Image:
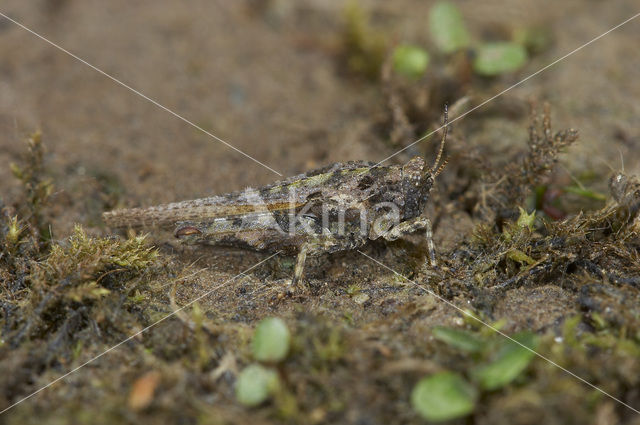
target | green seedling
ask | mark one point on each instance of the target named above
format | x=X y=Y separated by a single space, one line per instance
x=271 y=340
x=499 y=57
x=443 y=396
x=410 y=61
x=256 y=384
x=510 y=361
x=460 y=339
x=448 y=31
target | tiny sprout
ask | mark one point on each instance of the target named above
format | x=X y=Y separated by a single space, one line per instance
x=255 y=385
x=499 y=57
x=409 y=60
x=510 y=361
x=271 y=340
x=447 y=27
x=443 y=396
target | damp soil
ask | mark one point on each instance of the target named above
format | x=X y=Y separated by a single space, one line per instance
x=275 y=80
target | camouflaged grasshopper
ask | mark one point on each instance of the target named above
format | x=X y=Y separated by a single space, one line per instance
x=335 y=208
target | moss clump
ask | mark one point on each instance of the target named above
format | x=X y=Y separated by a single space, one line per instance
x=71 y=278
x=58 y=296
x=37 y=186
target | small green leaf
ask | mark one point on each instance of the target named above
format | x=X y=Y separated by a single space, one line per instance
x=271 y=340
x=443 y=396
x=457 y=338
x=410 y=60
x=510 y=361
x=447 y=27
x=256 y=384
x=498 y=58
x=587 y=193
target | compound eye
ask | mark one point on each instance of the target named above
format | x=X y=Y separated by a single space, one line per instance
x=187 y=231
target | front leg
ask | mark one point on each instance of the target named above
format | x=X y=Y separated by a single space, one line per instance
x=299 y=270
x=412 y=226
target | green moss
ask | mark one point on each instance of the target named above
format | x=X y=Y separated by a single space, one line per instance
x=37 y=186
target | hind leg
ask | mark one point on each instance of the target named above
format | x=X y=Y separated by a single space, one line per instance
x=299 y=269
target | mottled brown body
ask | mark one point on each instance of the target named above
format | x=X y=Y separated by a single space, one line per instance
x=334 y=208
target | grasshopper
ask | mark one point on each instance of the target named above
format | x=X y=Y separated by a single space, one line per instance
x=335 y=208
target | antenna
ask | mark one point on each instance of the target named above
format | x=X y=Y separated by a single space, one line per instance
x=437 y=168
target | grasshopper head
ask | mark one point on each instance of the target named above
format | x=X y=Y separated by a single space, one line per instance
x=418 y=178
x=417 y=181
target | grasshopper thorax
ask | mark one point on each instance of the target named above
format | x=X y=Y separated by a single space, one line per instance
x=418 y=178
